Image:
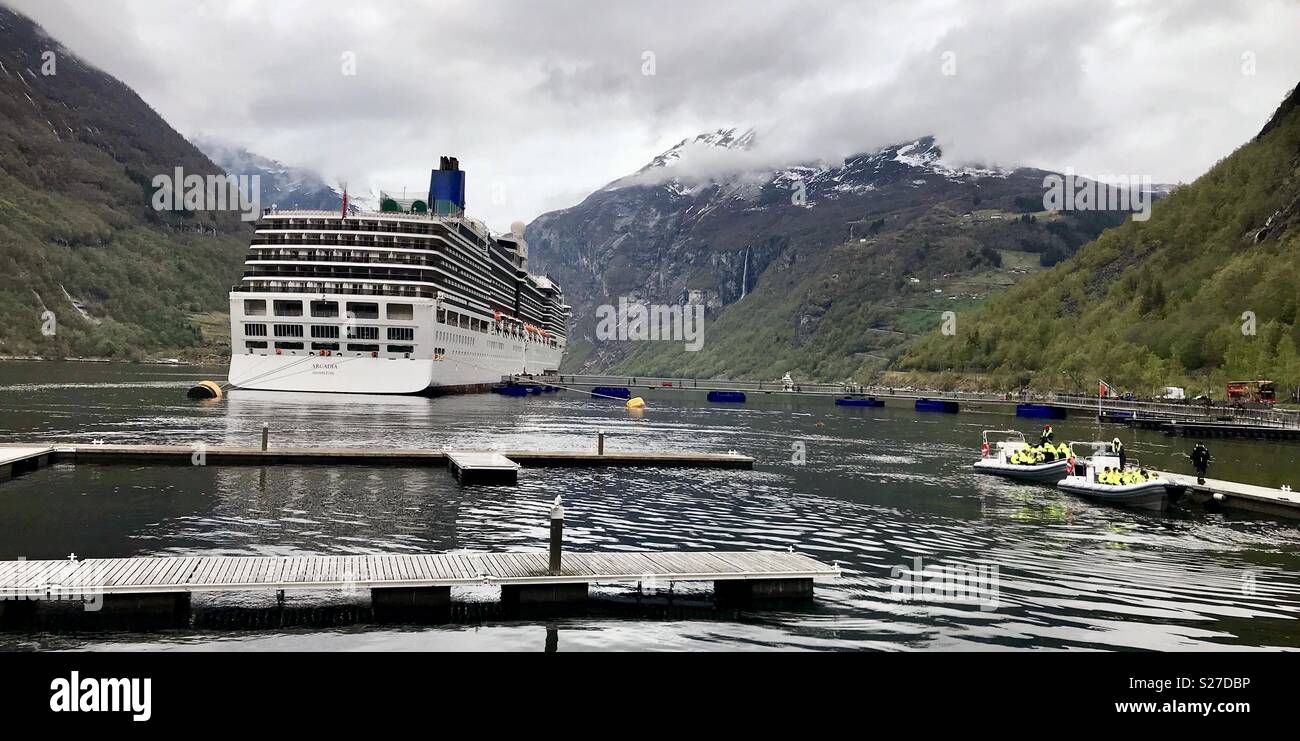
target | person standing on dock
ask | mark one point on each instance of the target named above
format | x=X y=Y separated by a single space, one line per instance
x=1200 y=461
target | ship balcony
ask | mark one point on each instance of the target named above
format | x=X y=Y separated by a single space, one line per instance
x=321 y=288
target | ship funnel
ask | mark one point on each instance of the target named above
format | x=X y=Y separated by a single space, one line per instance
x=447 y=187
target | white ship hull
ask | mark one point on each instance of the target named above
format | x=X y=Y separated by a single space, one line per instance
x=437 y=357
x=416 y=298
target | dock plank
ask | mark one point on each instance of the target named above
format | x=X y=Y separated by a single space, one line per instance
x=230 y=573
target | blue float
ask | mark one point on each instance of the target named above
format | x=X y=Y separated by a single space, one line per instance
x=1040 y=411
x=856 y=402
x=510 y=390
x=733 y=397
x=614 y=391
x=937 y=405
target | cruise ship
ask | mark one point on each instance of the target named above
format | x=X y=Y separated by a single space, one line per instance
x=415 y=298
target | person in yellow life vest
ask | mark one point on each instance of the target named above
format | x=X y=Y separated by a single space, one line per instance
x=1063 y=451
x=1039 y=455
x=1104 y=476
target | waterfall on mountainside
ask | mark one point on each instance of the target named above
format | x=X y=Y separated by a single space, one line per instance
x=744 y=276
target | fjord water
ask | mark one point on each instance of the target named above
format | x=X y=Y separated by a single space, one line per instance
x=879 y=488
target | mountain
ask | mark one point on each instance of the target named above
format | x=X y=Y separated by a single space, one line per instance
x=282 y=186
x=824 y=270
x=1168 y=301
x=79 y=236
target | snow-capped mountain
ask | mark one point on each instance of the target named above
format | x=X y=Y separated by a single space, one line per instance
x=282 y=186
x=706 y=221
x=722 y=139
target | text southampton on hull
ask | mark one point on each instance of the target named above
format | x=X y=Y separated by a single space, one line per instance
x=415 y=297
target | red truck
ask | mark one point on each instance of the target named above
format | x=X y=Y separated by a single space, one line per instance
x=1252 y=392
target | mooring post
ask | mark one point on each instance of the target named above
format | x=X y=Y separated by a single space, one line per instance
x=600 y=443
x=266 y=433
x=557 y=535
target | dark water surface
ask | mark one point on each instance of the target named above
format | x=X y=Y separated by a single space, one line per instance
x=880 y=488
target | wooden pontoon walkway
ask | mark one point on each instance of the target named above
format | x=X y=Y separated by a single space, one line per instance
x=1240 y=496
x=63 y=579
x=15 y=460
x=468 y=466
x=381 y=456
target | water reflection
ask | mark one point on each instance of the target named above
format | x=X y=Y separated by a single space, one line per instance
x=878 y=488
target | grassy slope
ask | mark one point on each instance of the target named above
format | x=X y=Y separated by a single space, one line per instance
x=77 y=153
x=845 y=312
x=1160 y=302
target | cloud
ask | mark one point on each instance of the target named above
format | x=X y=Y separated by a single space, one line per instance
x=544 y=102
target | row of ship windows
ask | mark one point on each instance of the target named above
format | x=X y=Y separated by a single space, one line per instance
x=331 y=331
x=466 y=283
x=321 y=309
x=352 y=225
x=351 y=347
x=455 y=338
x=361 y=310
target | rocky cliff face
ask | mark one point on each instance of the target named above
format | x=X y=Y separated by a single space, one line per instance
x=760 y=248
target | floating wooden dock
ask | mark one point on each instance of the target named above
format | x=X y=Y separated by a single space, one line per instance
x=1230 y=430
x=1262 y=499
x=491 y=464
x=403 y=581
x=482 y=467
x=17 y=460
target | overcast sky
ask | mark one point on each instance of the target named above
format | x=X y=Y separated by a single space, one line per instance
x=545 y=101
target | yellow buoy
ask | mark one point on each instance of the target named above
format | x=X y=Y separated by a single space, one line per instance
x=636 y=402
x=205 y=390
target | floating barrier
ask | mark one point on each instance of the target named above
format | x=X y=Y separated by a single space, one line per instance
x=855 y=402
x=1040 y=411
x=612 y=391
x=636 y=402
x=732 y=397
x=937 y=405
x=205 y=390
x=510 y=390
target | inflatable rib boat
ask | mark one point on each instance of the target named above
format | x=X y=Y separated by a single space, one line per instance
x=1150 y=494
x=997 y=455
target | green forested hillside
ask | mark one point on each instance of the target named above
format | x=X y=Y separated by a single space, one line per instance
x=843 y=312
x=1159 y=302
x=78 y=235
